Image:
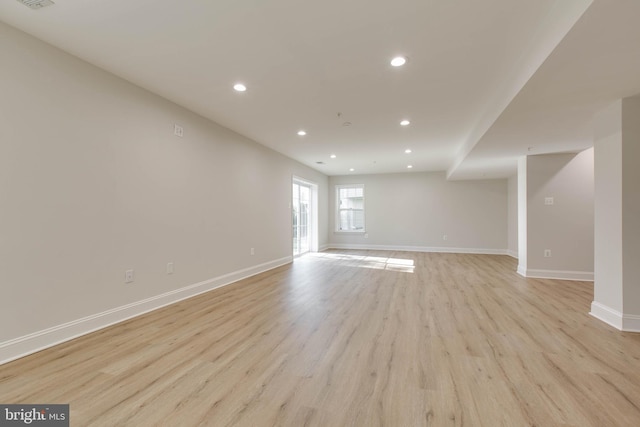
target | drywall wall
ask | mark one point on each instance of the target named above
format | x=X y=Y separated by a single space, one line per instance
x=416 y=210
x=564 y=227
x=617 y=215
x=616 y=297
x=512 y=216
x=93 y=182
x=631 y=210
x=522 y=216
x=608 y=209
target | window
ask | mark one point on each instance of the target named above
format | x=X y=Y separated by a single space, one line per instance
x=350 y=208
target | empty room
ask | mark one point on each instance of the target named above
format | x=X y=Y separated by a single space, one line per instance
x=336 y=213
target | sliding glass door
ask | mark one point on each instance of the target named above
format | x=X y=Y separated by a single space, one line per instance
x=301 y=207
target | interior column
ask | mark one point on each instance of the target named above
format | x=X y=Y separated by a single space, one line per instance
x=617 y=215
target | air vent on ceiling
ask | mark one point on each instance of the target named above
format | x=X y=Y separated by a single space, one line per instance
x=36 y=4
x=320 y=163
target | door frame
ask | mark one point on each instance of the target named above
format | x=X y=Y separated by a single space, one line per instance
x=313 y=213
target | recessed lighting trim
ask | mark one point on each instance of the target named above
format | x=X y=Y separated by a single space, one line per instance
x=405 y=122
x=333 y=156
x=398 y=61
x=351 y=170
x=239 y=87
x=302 y=133
x=409 y=166
x=407 y=151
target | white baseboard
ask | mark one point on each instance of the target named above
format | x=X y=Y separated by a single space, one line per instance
x=324 y=247
x=583 y=276
x=25 y=345
x=522 y=270
x=512 y=254
x=612 y=317
x=607 y=314
x=440 y=249
x=631 y=323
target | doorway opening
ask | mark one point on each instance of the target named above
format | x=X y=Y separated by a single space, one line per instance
x=304 y=216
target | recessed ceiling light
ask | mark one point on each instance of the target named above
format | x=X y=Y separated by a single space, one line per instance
x=398 y=61
x=405 y=122
x=351 y=170
x=409 y=166
x=302 y=133
x=408 y=151
x=239 y=87
x=333 y=156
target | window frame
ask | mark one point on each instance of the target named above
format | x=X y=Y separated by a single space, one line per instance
x=338 y=223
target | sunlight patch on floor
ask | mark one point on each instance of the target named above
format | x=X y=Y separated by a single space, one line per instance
x=375 y=262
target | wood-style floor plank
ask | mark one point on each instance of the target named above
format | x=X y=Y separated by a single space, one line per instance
x=352 y=338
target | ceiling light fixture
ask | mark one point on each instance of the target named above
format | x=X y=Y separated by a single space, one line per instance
x=405 y=122
x=351 y=170
x=302 y=133
x=398 y=61
x=333 y=156
x=239 y=87
x=409 y=166
x=407 y=151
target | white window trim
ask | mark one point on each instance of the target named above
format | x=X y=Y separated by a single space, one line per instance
x=337 y=210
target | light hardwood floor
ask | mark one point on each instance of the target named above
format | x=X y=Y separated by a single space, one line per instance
x=352 y=338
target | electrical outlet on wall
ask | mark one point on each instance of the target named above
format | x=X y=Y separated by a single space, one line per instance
x=547 y=253
x=169 y=268
x=178 y=130
x=128 y=276
x=253 y=251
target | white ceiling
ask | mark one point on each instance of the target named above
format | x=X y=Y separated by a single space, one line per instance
x=486 y=80
x=595 y=64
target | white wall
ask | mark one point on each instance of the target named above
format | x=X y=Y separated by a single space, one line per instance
x=94 y=182
x=415 y=211
x=631 y=207
x=617 y=221
x=522 y=216
x=566 y=227
x=512 y=216
x=608 y=214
